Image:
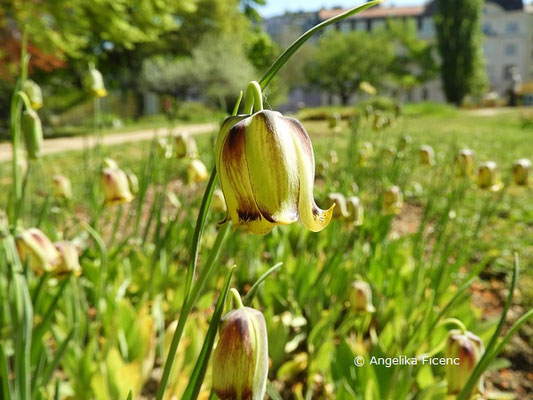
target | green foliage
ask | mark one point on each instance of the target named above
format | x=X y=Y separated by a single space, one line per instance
x=344 y=60
x=459 y=42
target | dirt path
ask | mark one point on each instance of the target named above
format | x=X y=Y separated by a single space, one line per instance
x=57 y=145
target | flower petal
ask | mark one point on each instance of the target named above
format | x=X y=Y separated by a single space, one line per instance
x=274 y=171
x=311 y=216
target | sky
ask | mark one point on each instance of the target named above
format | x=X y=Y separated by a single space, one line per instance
x=277 y=7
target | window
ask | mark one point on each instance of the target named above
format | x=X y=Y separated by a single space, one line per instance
x=510 y=49
x=511 y=27
x=488 y=30
x=507 y=71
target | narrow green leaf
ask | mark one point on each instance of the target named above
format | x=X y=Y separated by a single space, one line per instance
x=7 y=390
x=198 y=374
x=255 y=287
x=57 y=358
x=272 y=392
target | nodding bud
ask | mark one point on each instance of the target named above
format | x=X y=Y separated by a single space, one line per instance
x=267 y=169
x=116 y=186
x=133 y=182
x=521 y=170
x=361 y=297
x=69 y=260
x=340 y=211
x=95 y=83
x=219 y=203
x=164 y=147
x=403 y=142
x=32 y=132
x=355 y=210
x=35 y=248
x=464 y=162
x=185 y=146
x=197 y=171
x=33 y=91
x=365 y=152
x=62 y=189
x=488 y=177
x=468 y=349
x=427 y=155
x=240 y=360
x=392 y=200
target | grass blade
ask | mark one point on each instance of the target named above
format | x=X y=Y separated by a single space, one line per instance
x=253 y=290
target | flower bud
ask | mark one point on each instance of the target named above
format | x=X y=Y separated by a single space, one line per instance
x=197 y=171
x=164 y=148
x=95 y=83
x=355 y=210
x=133 y=182
x=361 y=297
x=110 y=163
x=69 y=259
x=468 y=348
x=464 y=162
x=521 y=170
x=32 y=131
x=403 y=142
x=427 y=155
x=340 y=211
x=62 y=189
x=35 y=248
x=240 y=360
x=392 y=200
x=367 y=88
x=267 y=168
x=33 y=91
x=185 y=146
x=487 y=177
x=116 y=187
x=219 y=203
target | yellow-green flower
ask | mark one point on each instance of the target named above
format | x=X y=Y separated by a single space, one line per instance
x=521 y=170
x=197 y=171
x=367 y=88
x=33 y=91
x=95 y=83
x=488 y=176
x=361 y=297
x=267 y=168
x=185 y=146
x=116 y=186
x=62 y=188
x=340 y=211
x=219 y=203
x=69 y=259
x=392 y=200
x=427 y=155
x=355 y=210
x=35 y=248
x=465 y=162
x=467 y=348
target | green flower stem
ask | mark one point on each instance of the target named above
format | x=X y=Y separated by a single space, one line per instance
x=236 y=298
x=192 y=292
x=456 y=322
x=254 y=98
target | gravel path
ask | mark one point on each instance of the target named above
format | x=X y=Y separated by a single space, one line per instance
x=58 y=145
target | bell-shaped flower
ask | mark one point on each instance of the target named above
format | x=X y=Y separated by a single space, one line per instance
x=403 y=142
x=467 y=349
x=95 y=83
x=34 y=93
x=197 y=171
x=267 y=168
x=427 y=155
x=185 y=146
x=340 y=211
x=62 y=188
x=392 y=200
x=116 y=186
x=32 y=132
x=69 y=259
x=488 y=176
x=465 y=162
x=367 y=88
x=35 y=248
x=240 y=360
x=219 y=203
x=361 y=297
x=355 y=210
x=133 y=182
x=521 y=169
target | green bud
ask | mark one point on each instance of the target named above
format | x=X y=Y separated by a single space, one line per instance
x=392 y=200
x=61 y=187
x=95 y=83
x=468 y=349
x=240 y=360
x=32 y=132
x=427 y=155
x=33 y=91
x=464 y=163
x=488 y=176
x=521 y=170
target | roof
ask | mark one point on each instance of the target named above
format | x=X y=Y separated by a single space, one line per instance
x=376 y=12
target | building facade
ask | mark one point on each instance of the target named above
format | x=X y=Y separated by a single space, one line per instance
x=508 y=38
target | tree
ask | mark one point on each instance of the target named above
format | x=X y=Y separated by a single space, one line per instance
x=343 y=60
x=459 y=42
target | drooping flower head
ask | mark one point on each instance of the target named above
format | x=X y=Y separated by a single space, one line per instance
x=392 y=200
x=185 y=146
x=340 y=211
x=34 y=93
x=488 y=176
x=116 y=186
x=355 y=210
x=95 y=83
x=465 y=162
x=35 y=248
x=69 y=259
x=267 y=168
x=62 y=188
x=361 y=297
x=521 y=170
x=468 y=349
x=427 y=155
x=197 y=171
